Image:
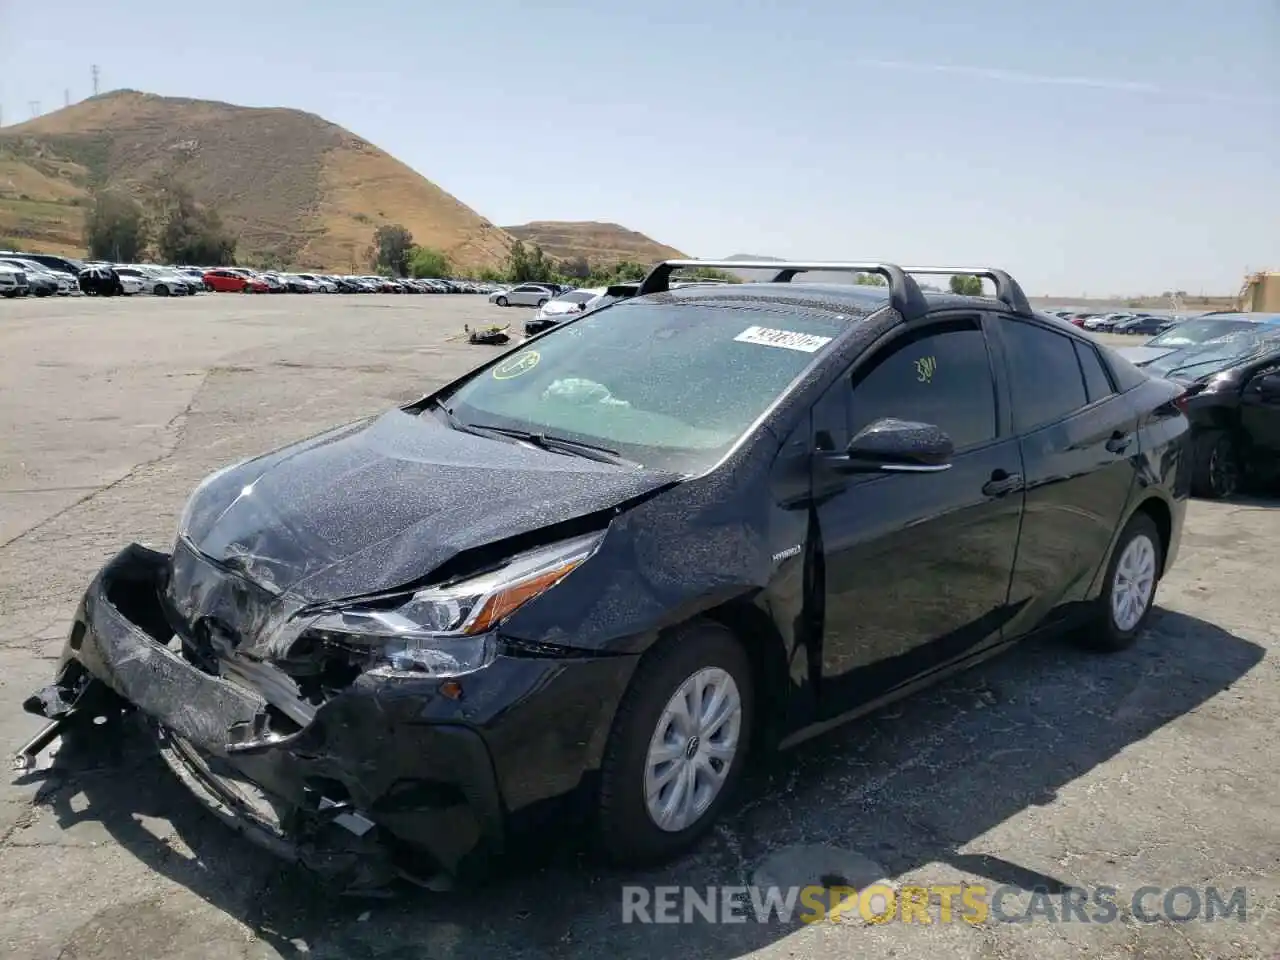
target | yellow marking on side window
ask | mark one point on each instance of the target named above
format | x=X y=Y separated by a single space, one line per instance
x=925 y=368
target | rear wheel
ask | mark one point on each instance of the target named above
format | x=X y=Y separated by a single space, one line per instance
x=1129 y=590
x=542 y=303
x=1216 y=470
x=678 y=745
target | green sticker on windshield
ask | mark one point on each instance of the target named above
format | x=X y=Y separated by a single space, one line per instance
x=515 y=366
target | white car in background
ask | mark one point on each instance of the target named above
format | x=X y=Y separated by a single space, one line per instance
x=570 y=303
x=146 y=283
x=524 y=295
x=13 y=282
x=321 y=284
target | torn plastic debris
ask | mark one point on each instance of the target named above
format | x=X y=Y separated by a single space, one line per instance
x=487 y=335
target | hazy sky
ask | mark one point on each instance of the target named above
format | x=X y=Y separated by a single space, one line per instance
x=1087 y=146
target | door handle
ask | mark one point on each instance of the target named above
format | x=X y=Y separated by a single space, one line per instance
x=1119 y=442
x=1002 y=483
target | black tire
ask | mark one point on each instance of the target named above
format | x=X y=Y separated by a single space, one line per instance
x=501 y=301
x=1104 y=633
x=627 y=834
x=161 y=291
x=1215 y=471
x=542 y=303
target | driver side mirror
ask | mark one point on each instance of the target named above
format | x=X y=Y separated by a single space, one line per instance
x=896 y=446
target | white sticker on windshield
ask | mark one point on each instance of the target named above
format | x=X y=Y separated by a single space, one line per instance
x=787 y=339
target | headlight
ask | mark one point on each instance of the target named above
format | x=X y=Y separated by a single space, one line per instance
x=446 y=631
x=184 y=519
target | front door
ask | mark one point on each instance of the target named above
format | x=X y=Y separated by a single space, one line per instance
x=916 y=566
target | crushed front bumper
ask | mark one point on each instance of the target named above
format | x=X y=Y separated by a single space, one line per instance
x=370 y=790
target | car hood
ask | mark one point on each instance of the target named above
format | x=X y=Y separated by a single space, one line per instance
x=382 y=503
x=1140 y=356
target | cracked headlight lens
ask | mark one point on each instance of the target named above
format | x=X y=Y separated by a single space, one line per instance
x=188 y=508
x=446 y=630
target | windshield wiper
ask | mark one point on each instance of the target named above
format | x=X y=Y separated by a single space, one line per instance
x=589 y=451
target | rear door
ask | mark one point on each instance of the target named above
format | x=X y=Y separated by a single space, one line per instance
x=1079 y=445
x=915 y=565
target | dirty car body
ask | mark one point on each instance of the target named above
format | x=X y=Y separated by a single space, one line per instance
x=381 y=650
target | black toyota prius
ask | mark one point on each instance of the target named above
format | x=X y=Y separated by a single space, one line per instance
x=609 y=563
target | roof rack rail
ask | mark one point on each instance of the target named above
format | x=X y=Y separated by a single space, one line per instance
x=904 y=293
x=1007 y=290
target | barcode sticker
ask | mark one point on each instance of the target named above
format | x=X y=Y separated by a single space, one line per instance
x=787 y=339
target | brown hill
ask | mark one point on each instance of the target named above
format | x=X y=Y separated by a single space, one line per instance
x=292 y=186
x=597 y=242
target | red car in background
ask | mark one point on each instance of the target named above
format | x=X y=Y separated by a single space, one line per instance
x=228 y=281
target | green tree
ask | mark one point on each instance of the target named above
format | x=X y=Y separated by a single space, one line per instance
x=115 y=227
x=392 y=247
x=526 y=264
x=432 y=264
x=187 y=232
x=870 y=280
x=967 y=286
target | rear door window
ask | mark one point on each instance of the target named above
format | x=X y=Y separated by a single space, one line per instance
x=1044 y=375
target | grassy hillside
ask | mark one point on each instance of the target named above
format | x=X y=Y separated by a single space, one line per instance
x=599 y=243
x=290 y=185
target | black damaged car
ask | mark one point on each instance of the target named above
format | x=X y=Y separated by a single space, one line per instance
x=1233 y=402
x=607 y=565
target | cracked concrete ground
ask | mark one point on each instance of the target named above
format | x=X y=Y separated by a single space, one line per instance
x=1047 y=768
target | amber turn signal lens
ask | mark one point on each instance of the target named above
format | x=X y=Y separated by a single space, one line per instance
x=504 y=602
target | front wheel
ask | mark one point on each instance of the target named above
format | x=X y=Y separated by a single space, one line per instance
x=1216 y=470
x=678 y=746
x=1129 y=591
x=162 y=291
x=501 y=301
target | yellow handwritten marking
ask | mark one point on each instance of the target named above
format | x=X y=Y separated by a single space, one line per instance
x=517 y=365
x=925 y=368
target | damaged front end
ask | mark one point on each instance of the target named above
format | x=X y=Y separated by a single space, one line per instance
x=336 y=737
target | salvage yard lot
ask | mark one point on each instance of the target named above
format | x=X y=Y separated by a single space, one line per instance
x=1048 y=767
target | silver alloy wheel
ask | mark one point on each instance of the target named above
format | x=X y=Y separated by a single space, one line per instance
x=692 y=749
x=1135 y=581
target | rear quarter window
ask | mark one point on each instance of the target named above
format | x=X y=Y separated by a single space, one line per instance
x=1125 y=375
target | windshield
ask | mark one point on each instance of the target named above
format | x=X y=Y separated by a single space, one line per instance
x=1204 y=359
x=1199 y=331
x=671 y=386
x=576 y=296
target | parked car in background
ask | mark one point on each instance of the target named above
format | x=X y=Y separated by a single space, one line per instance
x=1144 y=325
x=101 y=280
x=524 y=295
x=41 y=282
x=67 y=265
x=1233 y=402
x=13 y=282
x=230 y=280
x=1195 y=331
x=146 y=282
x=318 y=284
x=566 y=304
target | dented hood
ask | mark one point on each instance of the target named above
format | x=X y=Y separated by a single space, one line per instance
x=382 y=503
